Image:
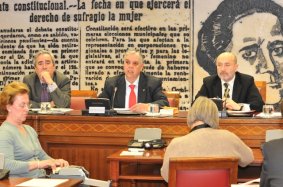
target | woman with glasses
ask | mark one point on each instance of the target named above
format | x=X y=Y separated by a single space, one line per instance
x=24 y=156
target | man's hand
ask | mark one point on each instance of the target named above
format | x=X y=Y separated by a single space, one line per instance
x=232 y=105
x=140 y=108
x=52 y=104
x=46 y=77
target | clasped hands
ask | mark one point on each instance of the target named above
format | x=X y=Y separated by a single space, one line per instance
x=51 y=163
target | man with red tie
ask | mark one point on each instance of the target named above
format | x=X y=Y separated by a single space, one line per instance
x=134 y=89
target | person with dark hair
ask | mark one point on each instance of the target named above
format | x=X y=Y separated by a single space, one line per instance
x=47 y=84
x=24 y=156
x=238 y=90
x=205 y=138
x=252 y=30
x=146 y=89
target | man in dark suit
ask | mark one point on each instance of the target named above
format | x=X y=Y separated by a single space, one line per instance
x=272 y=168
x=46 y=77
x=239 y=90
x=147 y=89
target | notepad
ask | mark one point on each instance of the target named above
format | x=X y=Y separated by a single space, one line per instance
x=43 y=182
x=131 y=153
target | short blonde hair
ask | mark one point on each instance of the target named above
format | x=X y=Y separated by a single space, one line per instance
x=205 y=110
x=43 y=51
x=136 y=52
x=9 y=93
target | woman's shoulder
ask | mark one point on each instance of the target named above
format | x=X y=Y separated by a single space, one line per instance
x=229 y=135
x=180 y=140
x=29 y=128
x=225 y=132
x=7 y=131
x=6 y=126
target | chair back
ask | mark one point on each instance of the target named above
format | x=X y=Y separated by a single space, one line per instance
x=203 y=171
x=84 y=93
x=78 y=98
x=261 y=86
x=273 y=134
x=173 y=98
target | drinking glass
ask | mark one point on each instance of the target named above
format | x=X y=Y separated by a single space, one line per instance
x=153 y=108
x=267 y=110
x=45 y=107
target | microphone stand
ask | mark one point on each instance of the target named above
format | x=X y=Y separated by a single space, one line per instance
x=224 y=110
x=112 y=111
x=113 y=98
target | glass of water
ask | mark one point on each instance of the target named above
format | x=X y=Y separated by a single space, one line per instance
x=45 y=107
x=267 y=110
x=153 y=108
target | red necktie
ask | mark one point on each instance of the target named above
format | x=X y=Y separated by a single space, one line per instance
x=132 y=98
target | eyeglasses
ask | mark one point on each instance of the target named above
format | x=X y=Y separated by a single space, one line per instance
x=24 y=105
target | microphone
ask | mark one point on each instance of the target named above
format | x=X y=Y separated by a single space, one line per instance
x=113 y=98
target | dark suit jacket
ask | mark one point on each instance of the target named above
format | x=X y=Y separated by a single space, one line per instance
x=272 y=168
x=244 y=90
x=61 y=96
x=150 y=90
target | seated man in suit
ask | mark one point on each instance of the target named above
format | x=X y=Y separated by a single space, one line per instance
x=237 y=89
x=134 y=89
x=47 y=84
x=271 y=173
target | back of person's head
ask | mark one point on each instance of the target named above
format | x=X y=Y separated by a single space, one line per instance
x=205 y=110
x=136 y=52
x=41 y=52
x=9 y=93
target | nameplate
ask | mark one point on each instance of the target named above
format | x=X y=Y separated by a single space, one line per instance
x=96 y=110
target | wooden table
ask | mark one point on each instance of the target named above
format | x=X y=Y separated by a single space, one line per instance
x=89 y=140
x=15 y=181
x=147 y=167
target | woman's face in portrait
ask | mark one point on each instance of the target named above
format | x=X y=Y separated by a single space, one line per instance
x=259 y=50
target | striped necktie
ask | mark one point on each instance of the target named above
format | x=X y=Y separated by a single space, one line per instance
x=226 y=91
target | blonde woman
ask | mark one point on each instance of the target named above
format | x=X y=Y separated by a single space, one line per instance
x=24 y=156
x=205 y=138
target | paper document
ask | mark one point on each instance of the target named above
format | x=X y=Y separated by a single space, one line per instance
x=252 y=183
x=131 y=153
x=124 y=111
x=52 y=111
x=273 y=115
x=43 y=182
